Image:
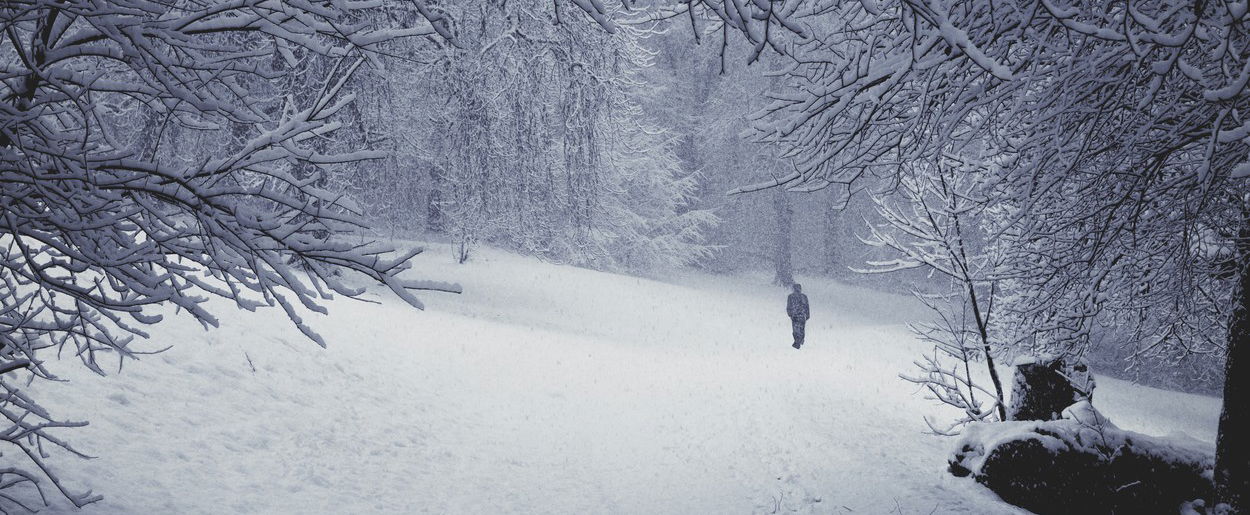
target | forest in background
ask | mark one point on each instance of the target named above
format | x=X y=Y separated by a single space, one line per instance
x=621 y=152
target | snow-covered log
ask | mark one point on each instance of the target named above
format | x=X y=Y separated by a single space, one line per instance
x=1082 y=463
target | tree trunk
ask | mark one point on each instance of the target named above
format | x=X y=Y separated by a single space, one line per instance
x=983 y=332
x=832 y=241
x=1232 y=455
x=960 y=256
x=782 y=245
x=435 y=221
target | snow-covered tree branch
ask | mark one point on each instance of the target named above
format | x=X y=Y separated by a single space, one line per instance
x=149 y=156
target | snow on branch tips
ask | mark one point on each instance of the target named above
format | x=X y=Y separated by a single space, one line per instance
x=929 y=224
x=164 y=153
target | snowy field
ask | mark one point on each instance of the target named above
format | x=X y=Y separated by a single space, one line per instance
x=541 y=389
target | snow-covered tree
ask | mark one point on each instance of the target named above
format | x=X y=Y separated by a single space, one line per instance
x=155 y=153
x=539 y=144
x=930 y=223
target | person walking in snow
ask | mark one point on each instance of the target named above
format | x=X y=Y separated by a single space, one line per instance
x=796 y=307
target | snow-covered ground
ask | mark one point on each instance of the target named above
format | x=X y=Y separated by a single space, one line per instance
x=541 y=389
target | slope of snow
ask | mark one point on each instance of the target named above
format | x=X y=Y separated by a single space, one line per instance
x=541 y=389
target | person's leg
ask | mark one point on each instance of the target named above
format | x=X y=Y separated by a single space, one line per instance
x=797 y=327
x=801 y=330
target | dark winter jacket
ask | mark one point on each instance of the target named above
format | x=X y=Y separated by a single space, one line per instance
x=796 y=306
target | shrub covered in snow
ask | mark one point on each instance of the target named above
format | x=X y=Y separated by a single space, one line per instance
x=1084 y=463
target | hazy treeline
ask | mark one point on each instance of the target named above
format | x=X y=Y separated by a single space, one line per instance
x=555 y=138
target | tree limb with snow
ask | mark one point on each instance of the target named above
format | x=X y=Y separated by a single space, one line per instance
x=149 y=156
